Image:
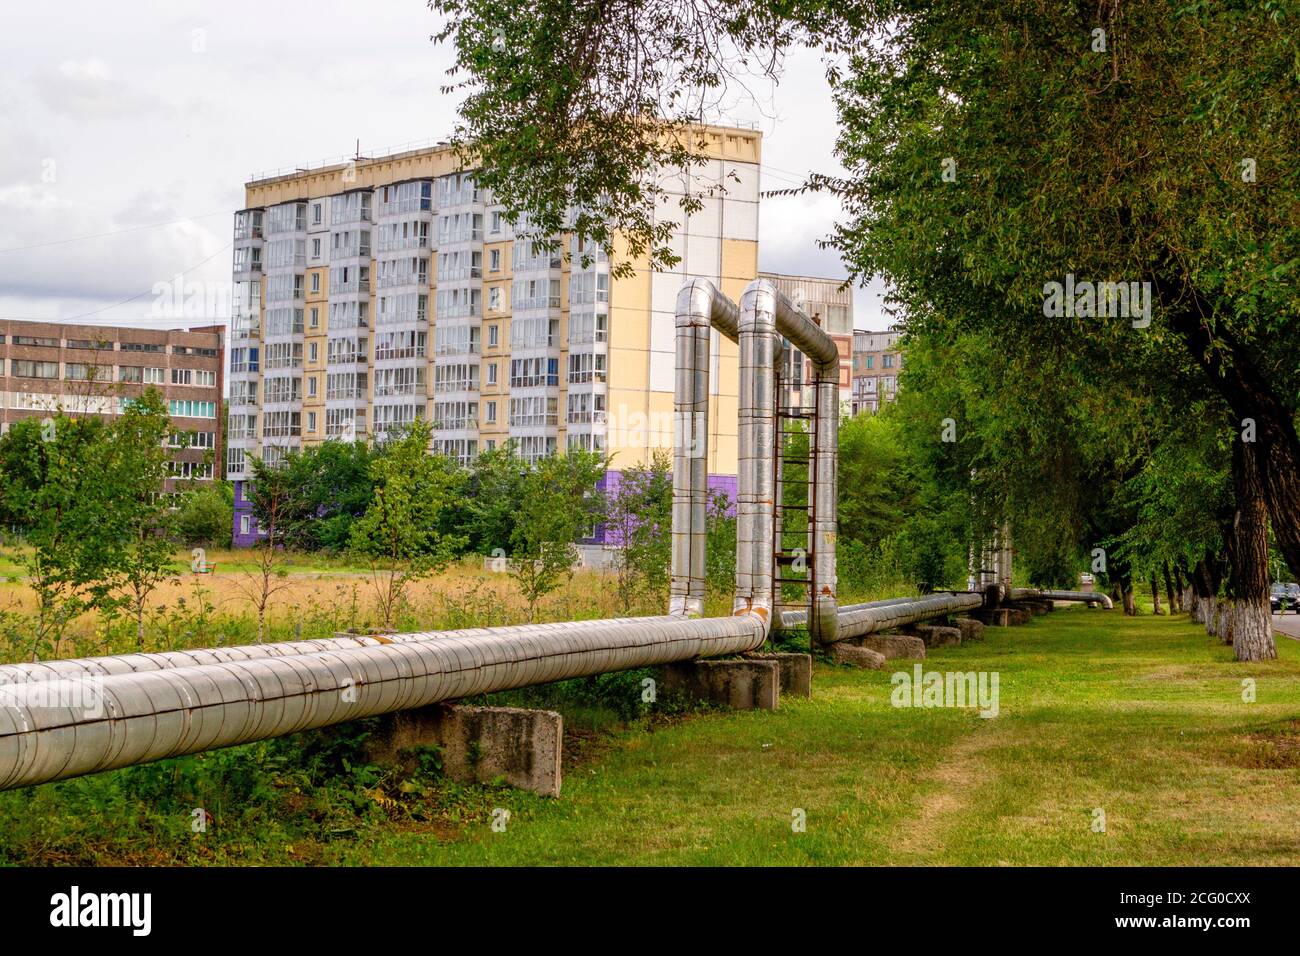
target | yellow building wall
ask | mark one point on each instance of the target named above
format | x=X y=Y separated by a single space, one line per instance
x=318 y=336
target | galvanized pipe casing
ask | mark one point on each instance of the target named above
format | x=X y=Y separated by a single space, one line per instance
x=699 y=306
x=872 y=620
x=825 y=623
x=97 y=667
x=1087 y=597
x=800 y=618
x=764 y=314
x=152 y=715
x=755 y=469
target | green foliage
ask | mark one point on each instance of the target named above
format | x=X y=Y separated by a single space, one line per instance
x=492 y=500
x=560 y=504
x=720 y=542
x=638 y=516
x=399 y=532
x=86 y=494
x=205 y=516
x=333 y=487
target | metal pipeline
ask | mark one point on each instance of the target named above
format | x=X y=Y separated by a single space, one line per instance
x=700 y=306
x=764 y=314
x=800 y=618
x=95 y=667
x=151 y=715
x=1086 y=597
x=871 y=620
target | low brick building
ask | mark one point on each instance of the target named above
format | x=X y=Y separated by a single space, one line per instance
x=98 y=370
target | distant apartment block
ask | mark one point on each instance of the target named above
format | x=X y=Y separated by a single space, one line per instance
x=371 y=293
x=876 y=363
x=47 y=367
x=830 y=303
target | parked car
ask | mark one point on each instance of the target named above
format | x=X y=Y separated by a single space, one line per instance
x=1283 y=596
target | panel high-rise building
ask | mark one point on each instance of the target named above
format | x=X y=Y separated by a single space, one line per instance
x=374 y=292
x=876 y=364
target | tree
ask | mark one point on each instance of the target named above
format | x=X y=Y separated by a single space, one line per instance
x=559 y=505
x=204 y=516
x=329 y=487
x=492 y=500
x=82 y=490
x=270 y=492
x=399 y=532
x=991 y=149
x=145 y=557
x=639 y=517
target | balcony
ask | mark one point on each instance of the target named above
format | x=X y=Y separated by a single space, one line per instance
x=356 y=249
x=459 y=273
x=347 y=393
x=463 y=310
x=403 y=243
x=245 y=327
x=406 y=352
x=408 y=206
x=356 y=286
x=404 y=279
x=583 y=417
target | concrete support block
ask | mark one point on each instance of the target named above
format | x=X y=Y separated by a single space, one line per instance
x=741 y=685
x=993 y=617
x=971 y=629
x=936 y=635
x=477 y=744
x=1031 y=607
x=894 y=646
x=844 y=652
x=796 y=672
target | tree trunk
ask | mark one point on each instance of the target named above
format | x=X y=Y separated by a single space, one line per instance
x=1248 y=555
x=1130 y=606
x=1169 y=590
x=1184 y=589
x=1232 y=370
x=1155 y=597
x=1224 y=619
x=1252 y=636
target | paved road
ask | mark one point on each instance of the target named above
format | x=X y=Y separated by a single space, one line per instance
x=1288 y=625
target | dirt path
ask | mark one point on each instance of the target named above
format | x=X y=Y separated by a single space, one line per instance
x=948 y=793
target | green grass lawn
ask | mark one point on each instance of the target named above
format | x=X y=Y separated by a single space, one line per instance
x=1142 y=718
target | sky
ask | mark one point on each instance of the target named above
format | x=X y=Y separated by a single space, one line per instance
x=128 y=130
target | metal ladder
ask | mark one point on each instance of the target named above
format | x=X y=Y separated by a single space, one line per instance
x=795 y=566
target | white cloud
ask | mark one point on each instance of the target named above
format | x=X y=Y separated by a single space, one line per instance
x=141 y=125
x=87 y=90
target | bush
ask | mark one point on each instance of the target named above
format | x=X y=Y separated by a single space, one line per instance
x=205 y=517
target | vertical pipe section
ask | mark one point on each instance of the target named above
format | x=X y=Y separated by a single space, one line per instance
x=755 y=468
x=764 y=314
x=699 y=306
x=825 y=623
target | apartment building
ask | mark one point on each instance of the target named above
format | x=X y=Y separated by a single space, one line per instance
x=829 y=302
x=98 y=370
x=372 y=293
x=876 y=363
